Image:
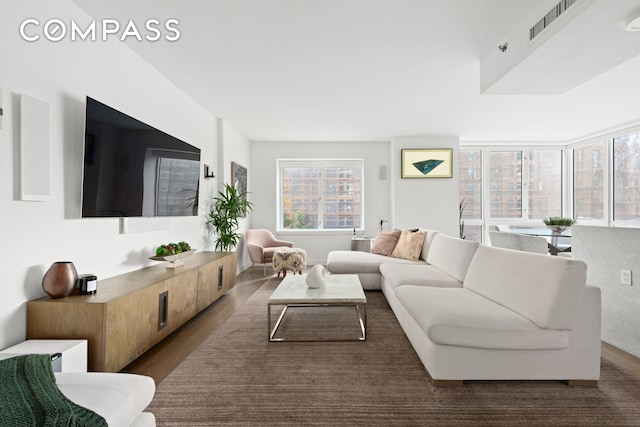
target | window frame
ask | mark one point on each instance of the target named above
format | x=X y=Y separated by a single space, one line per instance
x=486 y=148
x=606 y=208
x=630 y=223
x=568 y=178
x=281 y=164
x=608 y=197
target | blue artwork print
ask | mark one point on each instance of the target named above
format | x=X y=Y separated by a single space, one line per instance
x=427 y=163
x=427 y=166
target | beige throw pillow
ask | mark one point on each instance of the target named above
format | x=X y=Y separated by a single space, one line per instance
x=385 y=242
x=409 y=245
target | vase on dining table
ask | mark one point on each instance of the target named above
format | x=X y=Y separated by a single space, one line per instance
x=557 y=229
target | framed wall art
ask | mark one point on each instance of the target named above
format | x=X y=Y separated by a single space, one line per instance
x=239 y=177
x=427 y=163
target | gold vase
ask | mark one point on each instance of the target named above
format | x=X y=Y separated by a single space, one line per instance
x=60 y=279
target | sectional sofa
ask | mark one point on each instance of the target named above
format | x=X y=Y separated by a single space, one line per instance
x=475 y=312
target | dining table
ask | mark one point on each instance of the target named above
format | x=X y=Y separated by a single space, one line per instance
x=557 y=241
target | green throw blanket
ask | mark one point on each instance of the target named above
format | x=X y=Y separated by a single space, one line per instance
x=29 y=396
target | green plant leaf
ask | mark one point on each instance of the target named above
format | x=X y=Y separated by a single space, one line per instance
x=225 y=209
x=559 y=221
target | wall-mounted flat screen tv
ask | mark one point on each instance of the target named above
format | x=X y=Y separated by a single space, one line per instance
x=132 y=169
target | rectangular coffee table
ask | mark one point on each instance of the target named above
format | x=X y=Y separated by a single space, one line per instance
x=338 y=290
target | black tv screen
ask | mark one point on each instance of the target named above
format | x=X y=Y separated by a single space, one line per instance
x=134 y=170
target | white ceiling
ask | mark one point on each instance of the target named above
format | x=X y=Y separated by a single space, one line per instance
x=345 y=70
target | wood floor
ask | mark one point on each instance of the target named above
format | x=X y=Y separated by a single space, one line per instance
x=164 y=357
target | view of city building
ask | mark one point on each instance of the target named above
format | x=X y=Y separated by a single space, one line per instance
x=321 y=197
x=626 y=178
x=527 y=185
x=534 y=194
x=523 y=185
x=589 y=168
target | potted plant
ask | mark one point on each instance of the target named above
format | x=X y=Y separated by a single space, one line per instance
x=226 y=208
x=461 y=207
x=558 y=224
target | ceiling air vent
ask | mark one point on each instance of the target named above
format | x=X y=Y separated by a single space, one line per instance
x=551 y=16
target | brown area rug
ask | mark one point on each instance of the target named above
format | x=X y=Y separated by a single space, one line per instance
x=236 y=377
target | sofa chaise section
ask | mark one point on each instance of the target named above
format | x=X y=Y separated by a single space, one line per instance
x=517 y=316
x=365 y=264
x=436 y=251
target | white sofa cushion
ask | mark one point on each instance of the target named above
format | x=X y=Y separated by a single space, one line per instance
x=452 y=255
x=355 y=262
x=459 y=317
x=119 y=398
x=419 y=275
x=545 y=289
x=428 y=240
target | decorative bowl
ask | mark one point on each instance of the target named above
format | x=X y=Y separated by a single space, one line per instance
x=173 y=260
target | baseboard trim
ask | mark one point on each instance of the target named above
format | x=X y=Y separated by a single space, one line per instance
x=621 y=358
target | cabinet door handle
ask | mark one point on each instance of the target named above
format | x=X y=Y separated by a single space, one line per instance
x=220 y=274
x=163 y=309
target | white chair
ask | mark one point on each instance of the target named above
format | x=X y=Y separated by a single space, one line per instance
x=519 y=242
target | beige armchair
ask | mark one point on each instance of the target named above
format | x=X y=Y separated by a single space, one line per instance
x=261 y=244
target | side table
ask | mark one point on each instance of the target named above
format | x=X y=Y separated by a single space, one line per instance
x=74 y=352
x=362 y=244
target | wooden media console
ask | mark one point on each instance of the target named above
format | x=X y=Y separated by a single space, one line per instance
x=132 y=312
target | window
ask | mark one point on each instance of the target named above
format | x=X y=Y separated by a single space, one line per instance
x=522 y=186
x=472 y=232
x=518 y=186
x=505 y=181
x=471 y=194
x=526 y=184
x=589 y=181
x=626 y=178
x=320 y=194
x=545 y=184
x=471 y=183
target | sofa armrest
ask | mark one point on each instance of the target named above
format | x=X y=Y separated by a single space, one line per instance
x=118 y=397
x=585 y=336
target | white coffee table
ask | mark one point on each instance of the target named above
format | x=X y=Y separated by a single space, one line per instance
x=338 y=290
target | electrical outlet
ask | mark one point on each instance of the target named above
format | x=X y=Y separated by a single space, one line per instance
x=625 y=277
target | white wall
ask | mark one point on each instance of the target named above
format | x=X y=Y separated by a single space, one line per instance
x=36 y=234
x=262 y=177
x=606 y=251
x=429 y=203
x=234 y=147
